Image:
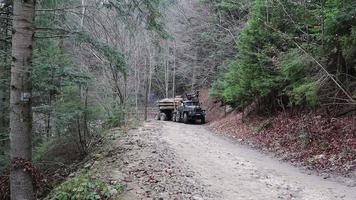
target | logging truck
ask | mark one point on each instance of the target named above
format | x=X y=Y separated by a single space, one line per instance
x=180 y=109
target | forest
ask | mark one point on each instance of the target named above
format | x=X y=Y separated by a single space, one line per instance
x=71 y=70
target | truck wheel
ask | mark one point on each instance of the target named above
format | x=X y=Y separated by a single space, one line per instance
x=185 y=118
x=174 y=117
x=178 y=118
x=158 y=116
x=202 y=121
x=163 y=117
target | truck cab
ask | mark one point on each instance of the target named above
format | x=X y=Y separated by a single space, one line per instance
x=189 y=111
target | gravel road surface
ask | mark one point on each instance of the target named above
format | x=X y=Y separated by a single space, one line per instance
x=166 y=160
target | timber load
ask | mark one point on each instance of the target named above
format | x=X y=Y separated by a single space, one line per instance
x=169 y=103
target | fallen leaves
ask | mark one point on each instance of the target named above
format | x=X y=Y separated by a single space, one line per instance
x=324 y=144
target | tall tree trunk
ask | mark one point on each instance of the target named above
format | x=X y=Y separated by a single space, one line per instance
x=150 y=76
x=148 y=82
x=146 y=79
x=5 y=68
x=193 y=71
x=20 y=99
x=83 y=14
x=146 y=96
x=137 y=85
x=322 y=25
x=85 y=117
x=166 y=71
x=174 y=71
x=151 y=67
x=267 y=12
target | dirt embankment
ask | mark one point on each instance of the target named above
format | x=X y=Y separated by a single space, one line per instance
x=321 y=144
x=214 y=110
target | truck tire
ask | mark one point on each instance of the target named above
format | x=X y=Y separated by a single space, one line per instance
x=174 y=117
x=202 y=120
x=178 y=119
x=185 y=118
x=163 y=117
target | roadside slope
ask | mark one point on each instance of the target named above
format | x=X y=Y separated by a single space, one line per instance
x=323 y=144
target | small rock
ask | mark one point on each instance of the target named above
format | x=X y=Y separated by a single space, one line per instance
x=96 y=163
x=350 y=183
x=326 y=176
x=113 y=192
x=229 y=109
x=127 y=179
x=197 y=197
x=319 y=157
x=88 y=165
x=98 y=156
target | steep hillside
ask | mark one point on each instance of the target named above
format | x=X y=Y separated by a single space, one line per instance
x=318 y=142
x=292 y=81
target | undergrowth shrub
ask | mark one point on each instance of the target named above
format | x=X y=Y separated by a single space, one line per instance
x=116 y=117
x=84 y=187
x=304 y=93
x=4 y=162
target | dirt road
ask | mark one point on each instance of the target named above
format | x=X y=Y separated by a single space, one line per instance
x=165 y=160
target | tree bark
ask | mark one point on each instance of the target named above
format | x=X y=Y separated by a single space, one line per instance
x=166 y=71
x=146 y=79
x=174 y=71
x=193 y=71
x=20 y=98
x=137 y=85
x=5 y=69
x=148 y=83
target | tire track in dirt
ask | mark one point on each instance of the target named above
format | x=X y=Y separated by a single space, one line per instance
x=234 y=171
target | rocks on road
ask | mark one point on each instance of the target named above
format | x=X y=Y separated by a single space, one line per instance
x=151 y=169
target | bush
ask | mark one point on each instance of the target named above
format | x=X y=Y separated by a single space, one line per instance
x=4 y=162
x=304 y=94
x=116 y=117
x=84 y=187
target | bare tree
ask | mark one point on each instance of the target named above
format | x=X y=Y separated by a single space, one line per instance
x=204 y=41
x=167 y=70
x=20 y=99
x=174 y=70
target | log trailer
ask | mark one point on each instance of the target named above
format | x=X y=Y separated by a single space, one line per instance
x=180 y=109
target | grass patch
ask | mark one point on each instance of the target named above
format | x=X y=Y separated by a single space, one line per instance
x=85 y=187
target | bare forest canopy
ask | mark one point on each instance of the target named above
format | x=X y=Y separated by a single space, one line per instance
x=97 y=64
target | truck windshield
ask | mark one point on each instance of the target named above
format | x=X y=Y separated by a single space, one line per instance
x=191 y=103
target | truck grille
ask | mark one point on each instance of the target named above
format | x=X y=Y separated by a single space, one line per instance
x=197 y=109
